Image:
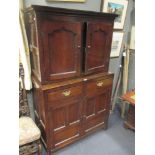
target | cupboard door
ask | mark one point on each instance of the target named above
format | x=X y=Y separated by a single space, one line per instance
x=64 y=111
x=61 y=49
x=96 y=111
x=98 y=47
x=65 y=122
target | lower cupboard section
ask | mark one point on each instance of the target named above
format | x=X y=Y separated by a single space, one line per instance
x=73 y=111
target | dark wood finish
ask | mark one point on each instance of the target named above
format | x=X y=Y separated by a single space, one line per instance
x=70 y=52
x=62 y=47
x=97 y=108
x=65 y=44
x=71 y=110
x=98 y=46
x=130 y=120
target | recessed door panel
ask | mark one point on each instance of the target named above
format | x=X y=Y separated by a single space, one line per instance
x=65 y=122
x=98 y=43
x=59 y=118
x=62 y=49
x=96 y=110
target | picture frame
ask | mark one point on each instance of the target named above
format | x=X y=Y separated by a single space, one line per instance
x=117 y=7
x=78 y=1
x=116 y=43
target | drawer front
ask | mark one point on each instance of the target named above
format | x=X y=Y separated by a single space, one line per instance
x=65 y=92
x=97 y=86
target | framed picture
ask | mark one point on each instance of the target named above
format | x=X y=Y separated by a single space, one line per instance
x=116 y=44
x=65 y=0
x=117 y=7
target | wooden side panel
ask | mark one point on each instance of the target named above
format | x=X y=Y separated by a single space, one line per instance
x=32 y=34
x=39 y=103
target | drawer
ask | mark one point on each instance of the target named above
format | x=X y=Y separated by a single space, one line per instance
x=97 y=86
x=65 y=92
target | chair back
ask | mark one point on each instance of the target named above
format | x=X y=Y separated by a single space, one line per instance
x=23 y=102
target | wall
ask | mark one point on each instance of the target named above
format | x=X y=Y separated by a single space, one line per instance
x=115 y=62
x=94 y=5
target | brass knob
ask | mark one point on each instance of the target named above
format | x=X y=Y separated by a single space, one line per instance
x=99 y=84
x=79 y=46
x=89 y=46
x=85 y=79
x=66 y=93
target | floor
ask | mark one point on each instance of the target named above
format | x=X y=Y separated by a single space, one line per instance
x=116 y=140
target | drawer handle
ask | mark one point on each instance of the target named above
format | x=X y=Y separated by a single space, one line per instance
x=99 y=84
x=88 y=46
x=66 y=93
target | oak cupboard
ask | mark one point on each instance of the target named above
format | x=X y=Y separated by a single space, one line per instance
x=66 y=111
x=68 y=43
x=70 y=52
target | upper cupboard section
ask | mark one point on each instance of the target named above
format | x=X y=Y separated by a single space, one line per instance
x=68 y=43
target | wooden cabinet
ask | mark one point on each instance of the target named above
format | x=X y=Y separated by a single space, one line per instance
x=73 y=109
x=70 y=52
x=68 y=43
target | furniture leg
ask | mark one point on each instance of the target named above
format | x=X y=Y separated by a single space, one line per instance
x=105 y=125
x=49 y=152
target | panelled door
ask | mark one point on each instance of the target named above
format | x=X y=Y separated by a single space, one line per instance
x=64 y=108
x=97 y=104
x=61 y=49
x=65 y=122
x=98 y=45
x=96 y=111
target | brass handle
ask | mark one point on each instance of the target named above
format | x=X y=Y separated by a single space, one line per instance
x=66 y=93
x=99 y=84
x=78 y=46
x=89 y=46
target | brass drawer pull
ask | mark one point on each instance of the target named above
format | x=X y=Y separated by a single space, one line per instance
x=99 y=84
x=66 y=93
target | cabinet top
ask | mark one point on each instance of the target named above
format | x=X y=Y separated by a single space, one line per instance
x=47 y=9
